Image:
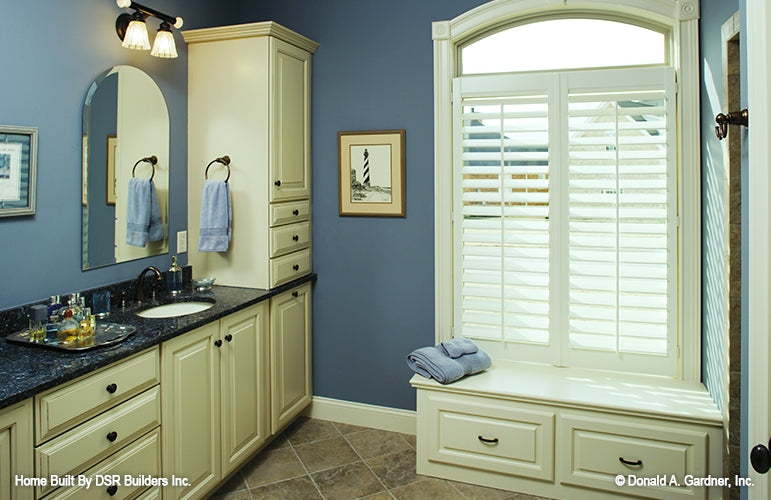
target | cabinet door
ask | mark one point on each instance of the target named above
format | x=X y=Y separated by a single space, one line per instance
x=290 y=131
x=244 y=377
x=190 y=377
x=290 y=355
x=16 y=450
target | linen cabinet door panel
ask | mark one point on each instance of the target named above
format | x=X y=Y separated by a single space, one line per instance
x=16 y=456
x=245 y=391
x=190 y=377
x=290 y=349
x=290 y=133
x=509 y=439
x=592 y=450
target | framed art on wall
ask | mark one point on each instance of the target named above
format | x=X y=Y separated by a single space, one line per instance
x=18 y=170
x=371 y=169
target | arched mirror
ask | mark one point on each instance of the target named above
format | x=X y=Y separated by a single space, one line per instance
x=125 y=124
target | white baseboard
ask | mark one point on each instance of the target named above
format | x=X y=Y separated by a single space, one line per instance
x=365 y=415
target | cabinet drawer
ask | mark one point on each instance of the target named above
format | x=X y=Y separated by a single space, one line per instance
x=592 y=449
x=287 y=213
x=285 y=269
x=90 y=442
x=140 y=458
x=67 y=406
x=286 y=239
x=474 y=432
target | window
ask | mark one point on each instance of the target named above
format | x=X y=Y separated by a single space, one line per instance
x=566 y=199
x=567 y=228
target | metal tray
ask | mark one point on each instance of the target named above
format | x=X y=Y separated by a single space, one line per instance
x=104 y=334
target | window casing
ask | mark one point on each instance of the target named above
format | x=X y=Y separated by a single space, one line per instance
x=682 y=229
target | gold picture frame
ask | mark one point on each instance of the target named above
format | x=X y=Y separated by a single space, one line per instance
x=372 y=174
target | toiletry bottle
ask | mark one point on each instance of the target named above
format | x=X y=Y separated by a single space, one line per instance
x=86 y=325
x=37 y=323
x=54 y=304
x=52 y=327
x=174 y=277
x=68 y=328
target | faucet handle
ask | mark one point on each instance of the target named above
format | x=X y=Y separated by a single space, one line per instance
x=123 y=300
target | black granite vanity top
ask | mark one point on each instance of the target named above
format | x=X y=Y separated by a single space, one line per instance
x=28 y=370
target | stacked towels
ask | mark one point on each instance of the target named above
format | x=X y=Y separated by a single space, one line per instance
x=449 y=361
x=216 y=217
x=143 y=214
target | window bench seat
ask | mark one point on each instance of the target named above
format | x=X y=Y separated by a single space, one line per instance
x=567 y=433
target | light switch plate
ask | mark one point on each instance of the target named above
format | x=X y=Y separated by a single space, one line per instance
x=181 y=241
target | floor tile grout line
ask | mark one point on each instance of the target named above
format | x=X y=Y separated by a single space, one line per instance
x=315 y=485
x=385 y=488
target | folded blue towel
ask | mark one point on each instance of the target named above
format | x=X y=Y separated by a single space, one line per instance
x=143 y=213
x=458 y=347
x=431 y=362
x=216 y=217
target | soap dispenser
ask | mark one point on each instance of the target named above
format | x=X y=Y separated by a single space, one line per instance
x=174 y=277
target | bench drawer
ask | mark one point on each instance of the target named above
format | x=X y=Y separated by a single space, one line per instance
x=477 y=433
x=71 y=404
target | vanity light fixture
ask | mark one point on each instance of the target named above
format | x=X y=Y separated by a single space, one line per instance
x=132 y=30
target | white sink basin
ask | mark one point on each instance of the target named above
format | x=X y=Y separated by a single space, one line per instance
x=176 y=309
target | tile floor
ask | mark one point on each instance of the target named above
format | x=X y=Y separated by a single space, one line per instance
x=316 y=459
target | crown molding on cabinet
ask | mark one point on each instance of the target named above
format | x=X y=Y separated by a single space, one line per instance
x=267 y=28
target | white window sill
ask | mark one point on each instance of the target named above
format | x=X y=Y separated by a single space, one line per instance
x=587 y=389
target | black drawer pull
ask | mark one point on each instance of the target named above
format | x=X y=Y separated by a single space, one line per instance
x=296 y=267
x=112 y=490
x=228 y=337
x=295 y=238
x=485 y=440
x=112 y=388
x=295 y=294
x=112 y=436
x=295 y=212
x=631 y=464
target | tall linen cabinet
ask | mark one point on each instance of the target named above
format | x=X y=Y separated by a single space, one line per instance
x=249 y=89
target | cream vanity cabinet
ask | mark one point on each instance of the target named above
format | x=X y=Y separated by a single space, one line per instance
x=215 y=401
x=249 y=89
x=103 y=423
x=547 y=432
x=16 y=457
x=290 y=355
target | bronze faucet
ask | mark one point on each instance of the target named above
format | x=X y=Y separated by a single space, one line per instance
x=140 y=295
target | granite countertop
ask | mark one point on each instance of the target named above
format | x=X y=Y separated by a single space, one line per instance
x=29 y=370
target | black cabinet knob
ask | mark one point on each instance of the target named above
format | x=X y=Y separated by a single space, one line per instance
x=228 y=337
x=277 y=183
x=218 y=343
x=295 y=238
x=295 y=212
x=296 y=267
x=760 y=458
x=295 y=294
x=112 y=490
x=489 y=441
x=112 y=388
x=112 y=436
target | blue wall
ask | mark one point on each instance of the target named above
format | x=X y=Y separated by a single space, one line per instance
x=374 y=300
x=52 y=53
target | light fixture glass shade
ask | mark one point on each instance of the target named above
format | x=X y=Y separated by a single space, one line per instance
x=136 y=36
x=164 y=45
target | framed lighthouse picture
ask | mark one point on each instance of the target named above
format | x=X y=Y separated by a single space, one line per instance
x=371 y=168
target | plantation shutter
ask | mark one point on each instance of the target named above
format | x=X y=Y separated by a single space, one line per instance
x=565 y=217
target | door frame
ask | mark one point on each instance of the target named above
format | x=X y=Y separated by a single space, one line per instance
x=758 y=17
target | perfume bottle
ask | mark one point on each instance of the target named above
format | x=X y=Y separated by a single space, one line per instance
x=174 y=277
x=86 y=325
x=37 y=323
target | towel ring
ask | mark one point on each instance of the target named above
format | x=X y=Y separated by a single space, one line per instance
x=152 y=160
x=225 y=160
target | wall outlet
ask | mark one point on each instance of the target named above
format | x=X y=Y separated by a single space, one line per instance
x=181 y=241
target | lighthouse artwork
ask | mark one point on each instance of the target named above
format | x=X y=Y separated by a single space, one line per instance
x=371 y=173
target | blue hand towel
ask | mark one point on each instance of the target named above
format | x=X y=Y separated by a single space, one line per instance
x=431 y=362
x=458 y=347
x=216 y=217
x=143 y=213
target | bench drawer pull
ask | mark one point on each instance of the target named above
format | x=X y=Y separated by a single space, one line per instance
x=489 y=441
x=631 y=464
